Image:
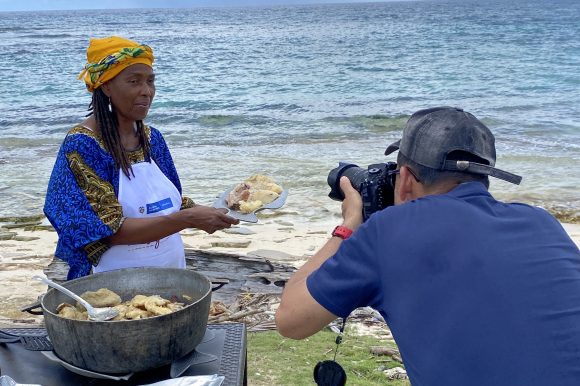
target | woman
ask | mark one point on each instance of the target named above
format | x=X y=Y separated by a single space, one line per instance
x=114 y=196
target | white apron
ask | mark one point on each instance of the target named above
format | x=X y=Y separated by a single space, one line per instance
x=148 y=194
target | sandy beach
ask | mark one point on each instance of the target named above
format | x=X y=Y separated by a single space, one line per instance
x=28 y=252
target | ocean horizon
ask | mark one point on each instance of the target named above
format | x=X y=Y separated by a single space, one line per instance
x=289 y=91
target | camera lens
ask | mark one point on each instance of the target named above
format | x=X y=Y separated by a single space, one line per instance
x=355 y=174
x=373 y=183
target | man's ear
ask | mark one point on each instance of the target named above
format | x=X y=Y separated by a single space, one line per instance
x=407 y=185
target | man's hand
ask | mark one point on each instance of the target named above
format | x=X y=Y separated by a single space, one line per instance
x=351 y=206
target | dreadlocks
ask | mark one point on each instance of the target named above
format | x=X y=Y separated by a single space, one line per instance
x=108 y=125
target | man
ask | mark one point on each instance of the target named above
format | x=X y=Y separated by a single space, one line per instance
x=475 y=291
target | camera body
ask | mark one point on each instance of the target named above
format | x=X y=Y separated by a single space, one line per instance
x=373 y=183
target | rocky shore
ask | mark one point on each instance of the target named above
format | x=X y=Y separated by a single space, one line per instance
x=27 y=245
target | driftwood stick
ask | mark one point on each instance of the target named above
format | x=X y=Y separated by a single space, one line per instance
x=262 y=325
x=233 y=317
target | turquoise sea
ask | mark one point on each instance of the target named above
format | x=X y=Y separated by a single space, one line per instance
x=291 y=90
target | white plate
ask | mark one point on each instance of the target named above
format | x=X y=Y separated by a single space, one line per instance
x=87 y=373
x=220 y=202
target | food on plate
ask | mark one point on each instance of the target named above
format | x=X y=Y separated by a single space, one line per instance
x=139 y=307
x=249 y=206
x=260 y=181
x=253 y=193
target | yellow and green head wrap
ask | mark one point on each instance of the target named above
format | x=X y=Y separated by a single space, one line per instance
x=107 y=57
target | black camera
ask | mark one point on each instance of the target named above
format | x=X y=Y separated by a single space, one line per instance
x=375 y=184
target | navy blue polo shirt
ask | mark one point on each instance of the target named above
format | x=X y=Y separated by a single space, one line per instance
x=475 y=291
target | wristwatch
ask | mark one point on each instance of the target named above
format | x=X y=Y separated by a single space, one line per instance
x=342 y=232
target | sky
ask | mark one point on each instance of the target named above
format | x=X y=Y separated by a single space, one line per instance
x=38 y=5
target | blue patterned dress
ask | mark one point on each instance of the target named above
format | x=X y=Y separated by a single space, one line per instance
x=81 y=199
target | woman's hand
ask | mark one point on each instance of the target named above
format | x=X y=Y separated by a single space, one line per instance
x=206 y=218
x=146 y=230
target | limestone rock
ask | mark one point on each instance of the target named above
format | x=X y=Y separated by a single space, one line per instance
x=272 y=255
x=20 y=225
x=239 y=231
x=35 y=228
x=7 y=235
x=14 y=219
x=230 y=244
x=25 y=238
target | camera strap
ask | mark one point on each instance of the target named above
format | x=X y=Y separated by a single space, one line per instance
x=329 y=372
x=338 y=339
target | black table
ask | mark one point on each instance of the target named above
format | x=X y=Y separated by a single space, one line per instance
x=228 y=345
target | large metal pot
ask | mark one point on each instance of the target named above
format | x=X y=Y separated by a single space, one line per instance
x=131 y=345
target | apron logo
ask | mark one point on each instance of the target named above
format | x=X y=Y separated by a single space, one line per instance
x=141 y=209
x=159 y=205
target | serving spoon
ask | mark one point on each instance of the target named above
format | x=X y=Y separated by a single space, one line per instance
x=99 y=314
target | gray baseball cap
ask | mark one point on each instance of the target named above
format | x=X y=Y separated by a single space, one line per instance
x=430 y=135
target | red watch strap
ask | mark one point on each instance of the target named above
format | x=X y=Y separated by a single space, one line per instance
x=342 y=232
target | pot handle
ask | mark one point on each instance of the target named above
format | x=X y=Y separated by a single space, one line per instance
x=31 y=308
x=219 y=283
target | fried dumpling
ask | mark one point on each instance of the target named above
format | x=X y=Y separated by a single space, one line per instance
x=253 y=193
x=102 y=298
